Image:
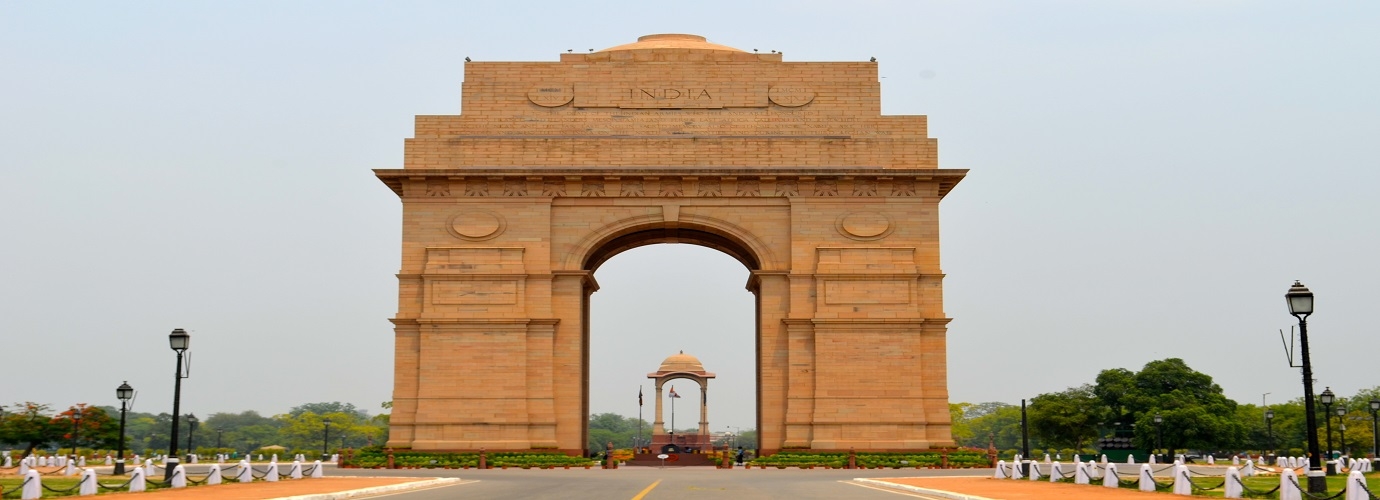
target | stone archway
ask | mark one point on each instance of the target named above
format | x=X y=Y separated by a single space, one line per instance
x=553 y=168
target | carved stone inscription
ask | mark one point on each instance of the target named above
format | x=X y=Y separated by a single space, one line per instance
x=644 y=122
x=671 y=95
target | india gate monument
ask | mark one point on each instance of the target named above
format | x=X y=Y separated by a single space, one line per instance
x=552 y=168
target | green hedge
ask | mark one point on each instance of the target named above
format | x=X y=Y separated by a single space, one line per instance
x=376 y=457
x=871 y=460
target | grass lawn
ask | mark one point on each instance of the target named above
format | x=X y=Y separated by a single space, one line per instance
x=11 y=485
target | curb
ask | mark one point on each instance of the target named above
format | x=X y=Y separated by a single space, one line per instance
x=392 y=488
x=916 y=489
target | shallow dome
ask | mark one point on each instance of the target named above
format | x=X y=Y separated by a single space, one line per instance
x=672 y=41
x=681 y=363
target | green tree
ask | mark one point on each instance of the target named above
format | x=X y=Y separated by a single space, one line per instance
x=1196 y=414
x=612 y=427
x=29 y=425
x=1068 y=419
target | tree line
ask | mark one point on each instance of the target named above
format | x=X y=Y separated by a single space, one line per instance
x=1194 y=413
x=33 y=426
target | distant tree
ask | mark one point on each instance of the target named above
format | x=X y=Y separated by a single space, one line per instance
x=327 y=408
x=29 y=425
x=606 y=427
x=995 y=422
x=1069 y=419
x=959 y=428
x=1196 y=413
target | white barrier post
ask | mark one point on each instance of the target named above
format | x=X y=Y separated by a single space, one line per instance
x=1001 y=470
x=1146 y=480
x=1354 y=482
x=295 y=472
x=1233 y=487
x=88 y=482
x=1181 y=484
x=214 y=476
x=33 y=486
x=272 y=474
x=316 y=471
x=246 y=472
x=179 y=479
x=136 y=480
x=1288 y=485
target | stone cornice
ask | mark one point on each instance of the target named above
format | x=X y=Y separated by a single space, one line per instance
x=647 y=182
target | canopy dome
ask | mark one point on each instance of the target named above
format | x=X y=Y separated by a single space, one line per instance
x=681 y=362
x=672 y=41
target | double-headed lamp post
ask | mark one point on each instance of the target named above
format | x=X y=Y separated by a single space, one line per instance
x=1300 y=302
x=179 y=341
x=1269 y=432
x=1375 y=428
x=125 y=393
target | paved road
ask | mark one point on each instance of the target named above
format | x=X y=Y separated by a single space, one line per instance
x=655 y=484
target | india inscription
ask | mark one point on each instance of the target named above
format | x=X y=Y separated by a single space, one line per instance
x=555 y=167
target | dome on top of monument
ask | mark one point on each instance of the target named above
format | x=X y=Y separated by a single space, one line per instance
x=681 y=363
x=672 y=41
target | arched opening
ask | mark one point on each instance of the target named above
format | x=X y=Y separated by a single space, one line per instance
x=657 y=298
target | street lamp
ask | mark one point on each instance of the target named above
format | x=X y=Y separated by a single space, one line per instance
x=1025 y=442
x=1269 y=432
x=179 y=341
x=1341 y=421
x=325 y=437
x=1159 y=434
x=1327 y=398
x=1374 y=409
x=1300 y=302
x=218 y=432
x=191 y=433
x=76 y=430
x=125 y=393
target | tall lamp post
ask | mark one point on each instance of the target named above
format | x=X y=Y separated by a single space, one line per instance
x=191 y=433
x=125 y=393
x=1269 y=432
x=76 y=430
x=218 y=433
x=1300 y=302
x=179 y=341
x=1374 y=428
x=325 y=437
x=1326 y=398
x=1025 y=442
x=1159 y=434
x=1341 y=429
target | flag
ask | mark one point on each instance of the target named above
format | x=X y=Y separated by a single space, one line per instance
x=673 y=392
x=639 y=395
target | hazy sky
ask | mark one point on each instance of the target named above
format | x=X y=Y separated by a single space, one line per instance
x=1148 y=178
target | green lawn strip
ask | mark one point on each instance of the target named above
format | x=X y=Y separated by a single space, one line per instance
x=12 y=485
x=1254 y=483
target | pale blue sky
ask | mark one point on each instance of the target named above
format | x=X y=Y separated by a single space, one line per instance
x=1147 y=180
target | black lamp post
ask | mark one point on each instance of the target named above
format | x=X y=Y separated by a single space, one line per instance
x=1300 y=302
x=191 y=433
x=1374 y=428
x=325 y=437
x=1341 y=427
x=76 y=430
x=218 y=432
x=179 y=340
x=1327 y=398
x=1025 y=443
x=1159 y=435
x=125 y=393
x=1269 y=432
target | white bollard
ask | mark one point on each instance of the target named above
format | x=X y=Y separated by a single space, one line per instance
x=1056 y=472
x=1104 y=459
x=23 y=467
x=33 y=486
x=108 y=460
x=136 y=480
x=8 y=461
x=1130 y=459
x=1016 y=469
x=1046 y=458
x=1093 y=471
x=246 y=472
x=272 y=474
x=1354 y=482
x=1287 y=489
x=1035 y=471
x=1146 y=480
x=1081 y=474
x=149 y=469
x=275 y=458
x=316 y=471
x=296 y=471
x=1110 y=479
x=1232 y=488
x=1001 y=470
x=179 y=479
x=214 y=476
x=1212 y=460
x=1152 y=458
x=70 y=469
x=1181 y=484
x=88 y=483
x=1249 y=469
